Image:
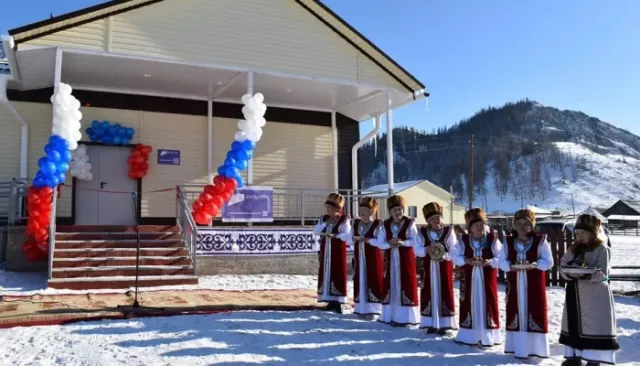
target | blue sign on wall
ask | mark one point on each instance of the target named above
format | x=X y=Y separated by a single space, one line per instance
x=251 y=204
x=168 y=157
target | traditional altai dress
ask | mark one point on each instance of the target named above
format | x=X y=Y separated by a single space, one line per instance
x=332 y=274
x=367 y=280
x=437 y=303
x=479 y=314
x=589 y=318
x=527 y=321
x=400 y=292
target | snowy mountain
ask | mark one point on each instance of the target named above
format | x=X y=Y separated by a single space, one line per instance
x=523 y=153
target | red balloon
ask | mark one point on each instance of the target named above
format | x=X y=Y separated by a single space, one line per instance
x=202 y=218
x=46 y=192
x=145 y=166
x=139 y=160
x=218 y=179
x=41 y=219
x=211 y=189
x=205 y=197
x=230 y=184
x=28 y=245
x=211 y=208
x=197 y=205
x=42 y=247
x=32 y=227
x=41 y=235
x=218 y=200
x=146 y=149
x=226 y=196
x=132 y=174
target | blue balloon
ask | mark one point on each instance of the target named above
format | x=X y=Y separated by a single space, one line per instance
x=231 y=154
x=61 y=145
x=236 y=145
x=126 y=140
x=221 y=170
x=94 y=138
x=48 y=148
x=54 y=138
x=230 y=171
x=105 y=125
x=49 y=168
x=117 y=126
x=113 y=130
x=130 y=132
x=117 y=140
x=66 y=156
x=39 y=182
x=89 y=131
x=107 y=139
x=98 y=131
x=52 y=181
x=248 y=145
x=96 y=124
x=42 y=161
x=62 y=168
x=122 y=132
x=242 y=164
x=54 y=156
x=229 y=162
x=40 y=175
x=240 y=181
x=61 y=177
x=245 y=154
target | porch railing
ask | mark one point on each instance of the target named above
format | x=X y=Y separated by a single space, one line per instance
x=12 y=200
x=303 y=205
x=52 y=232
x=186 y=223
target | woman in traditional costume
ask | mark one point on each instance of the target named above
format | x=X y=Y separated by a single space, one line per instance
x=334 y=230
x=400 y=293
x=589 y=320
x=525 y=258
x=436 y=243
x=477 y=253
x=368 y=261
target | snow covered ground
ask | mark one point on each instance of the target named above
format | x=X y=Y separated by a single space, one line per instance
x=625 y=251
x=276 y=338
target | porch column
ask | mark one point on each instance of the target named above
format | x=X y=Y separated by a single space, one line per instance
x=334 y=139
x=210 y=137
x=390 y=145
x=250 y=165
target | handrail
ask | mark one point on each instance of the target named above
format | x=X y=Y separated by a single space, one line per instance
x=190 y=236
x=52 y=233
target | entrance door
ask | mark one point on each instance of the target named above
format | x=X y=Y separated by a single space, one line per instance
x=107 y=199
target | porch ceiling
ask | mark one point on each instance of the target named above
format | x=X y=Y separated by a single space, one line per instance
x=129 y=75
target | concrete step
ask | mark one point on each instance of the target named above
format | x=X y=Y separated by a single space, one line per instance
x=121 y=252
x=114 y=229
x=121 y=261
x=120 y=282
x=114 y=271
x=126 y=243
x=79 y=235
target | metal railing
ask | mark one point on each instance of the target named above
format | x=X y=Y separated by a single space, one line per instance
x=52 y=232
x=12 y=200
x=187 y=225
x=302 y=205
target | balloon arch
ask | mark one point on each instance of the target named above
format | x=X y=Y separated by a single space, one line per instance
x=62 y=155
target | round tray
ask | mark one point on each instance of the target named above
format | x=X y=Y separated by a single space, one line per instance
x=522 y=266
x=578 y=270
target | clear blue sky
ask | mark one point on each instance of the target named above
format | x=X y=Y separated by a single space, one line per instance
x=571 y=54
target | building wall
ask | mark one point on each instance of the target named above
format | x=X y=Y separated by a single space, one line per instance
x=421 y=194
x=277 y=35
x=620 y=208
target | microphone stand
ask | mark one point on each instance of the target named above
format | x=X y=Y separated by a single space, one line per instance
x=136 y=307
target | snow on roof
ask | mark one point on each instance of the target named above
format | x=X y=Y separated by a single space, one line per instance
x=382 y=190
x=633 y=204
x=538 y=210
x=593 y=212
x=624 y=217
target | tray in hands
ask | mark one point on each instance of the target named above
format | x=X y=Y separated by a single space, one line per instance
x=575 y=270
x=522 y=266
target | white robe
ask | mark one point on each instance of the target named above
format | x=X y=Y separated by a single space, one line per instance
x=436 y=320
x=364 y=306
x=522 y=343
x=394 y=312
x=344 y=233
x=479 y=332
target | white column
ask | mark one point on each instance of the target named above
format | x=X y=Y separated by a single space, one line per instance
x=250 y=165
x=390 y=145
x=334 y=148
x=210 y=139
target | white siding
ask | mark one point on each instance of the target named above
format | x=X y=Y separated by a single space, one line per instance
x=275 y=35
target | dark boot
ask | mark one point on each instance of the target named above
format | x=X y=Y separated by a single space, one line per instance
x=592 y=363
x=431 y=330
x=443 y=332
x=572 y=362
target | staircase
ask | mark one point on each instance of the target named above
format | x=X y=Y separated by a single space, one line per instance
x=104 y=257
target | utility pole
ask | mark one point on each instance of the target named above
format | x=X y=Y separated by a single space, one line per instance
x=471 y=173
x=573 y=205
x=451 y=206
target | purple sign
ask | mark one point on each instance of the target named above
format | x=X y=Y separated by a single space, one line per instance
x=168 y=157
x=251 y=204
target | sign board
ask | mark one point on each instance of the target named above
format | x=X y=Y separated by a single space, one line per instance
x=168 y=157
x=251 y=204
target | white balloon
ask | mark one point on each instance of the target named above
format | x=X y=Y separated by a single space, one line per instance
x=65 y=89
x=89 y=176
x=261 y=121
x=258 y=97
x=243 y=125
x=77 y=135
x=248 y=112
x=73 y=145
x=246 y=98
x=253 y=136
x=87 y=166
x=261 y=110
x=82 y=150
x=240 y=136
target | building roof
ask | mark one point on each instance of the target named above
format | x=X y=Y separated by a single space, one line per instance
x=633 y=204
x=593 y=212
x=538 y=210
x=624 y=217
x=382 y=190
x=314 y=7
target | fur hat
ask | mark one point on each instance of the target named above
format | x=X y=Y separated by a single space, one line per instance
x=335 y=200
x=395 y=201
x=588 y=223
x=474 y=215
x=525 y=214
x=431 y=209
x=370 y=203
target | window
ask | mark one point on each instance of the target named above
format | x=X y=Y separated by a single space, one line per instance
x=413 y=212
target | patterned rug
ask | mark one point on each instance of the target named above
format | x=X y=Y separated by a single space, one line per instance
x=63 y=309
